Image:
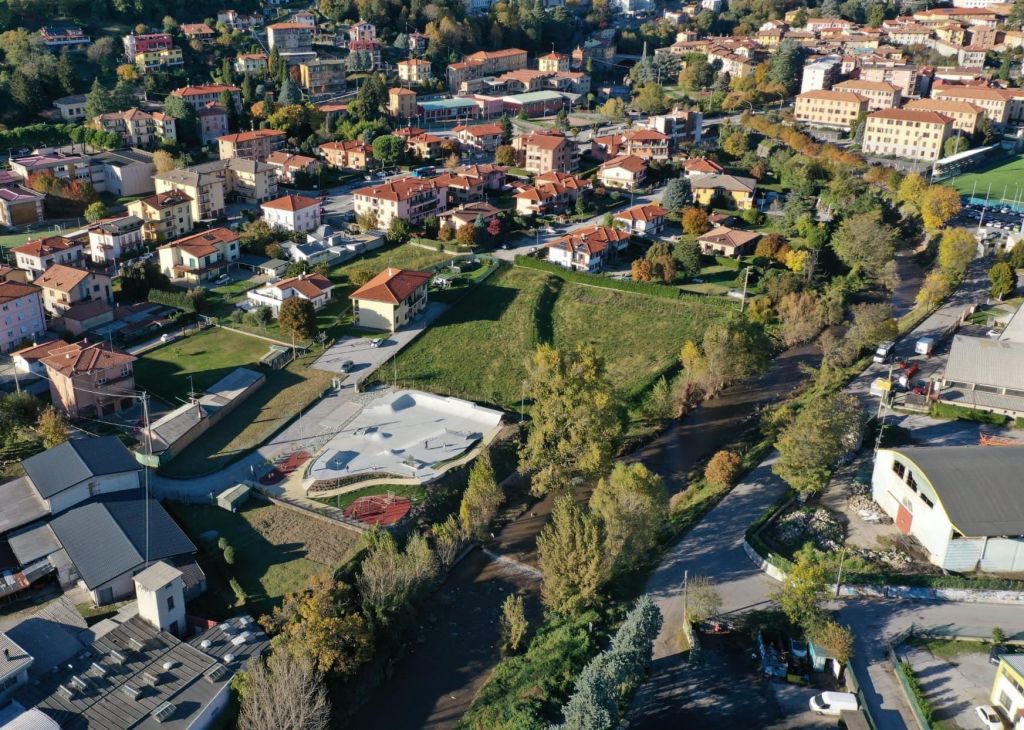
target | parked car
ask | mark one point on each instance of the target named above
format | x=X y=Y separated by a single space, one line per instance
x=347 y=366
x=989 y=717
x=999 y=651
x=376 y=342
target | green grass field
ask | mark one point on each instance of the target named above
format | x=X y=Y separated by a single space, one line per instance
x=1007 y=177
x=416 y=493
x=207 y=357
x=406 y=256
x=277 y=551
x=479 y=349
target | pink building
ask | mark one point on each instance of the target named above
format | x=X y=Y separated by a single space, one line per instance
x=21 y=314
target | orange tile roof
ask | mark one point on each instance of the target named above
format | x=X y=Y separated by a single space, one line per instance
x=480 y=130
x=291 y=203
x=704 y=165
x=45 y=246
x=11 y=290
x=250 y=136
x=81 y=357
x=291 y=26
x=644 y=213
x=204 y=242
x=38 y=352
x=729 y=236
x=951 y=106
x=171 y=197
x=631 y=163
x=61 y=277
x=392 y=286
x=308 y=285
x=544 y=140
x=591 y=239
x=866 y=85
x=187 y=91
x=910 y=115
x=398 y=190
x=833 y=95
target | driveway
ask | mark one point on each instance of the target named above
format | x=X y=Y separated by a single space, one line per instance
x=955 y=686
x=365 y=358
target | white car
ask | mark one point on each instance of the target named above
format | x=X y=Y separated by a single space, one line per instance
x=376 y=342
x=989 y=717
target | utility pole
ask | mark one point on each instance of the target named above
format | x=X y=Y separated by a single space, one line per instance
x=686 y=580
x=149 y=454
x=746 y=278
x=839 y=575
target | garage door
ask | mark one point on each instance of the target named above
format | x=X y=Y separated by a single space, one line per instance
x=903 y=520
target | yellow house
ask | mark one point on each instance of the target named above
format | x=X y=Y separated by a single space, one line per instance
x=732 y=191
x=1008 y=688
x=391 y=299
x=149 y=60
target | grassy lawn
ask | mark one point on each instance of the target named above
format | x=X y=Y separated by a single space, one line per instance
x=1001 y=177
x=206 y=357
x=277 y=551
x=285 y=393
x=416 y=493
x=951 y=648
x=405 y=256
x=479 y=349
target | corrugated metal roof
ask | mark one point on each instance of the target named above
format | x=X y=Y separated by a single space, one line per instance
x=984 y=361
x=74 y=461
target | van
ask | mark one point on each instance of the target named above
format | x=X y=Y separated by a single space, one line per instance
x=833 y=703
x=883 y=352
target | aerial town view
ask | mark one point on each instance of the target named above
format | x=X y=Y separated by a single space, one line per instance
x=511 y=364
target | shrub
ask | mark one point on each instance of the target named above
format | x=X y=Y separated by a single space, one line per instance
x=222 y=543
x=723 y=468
x=240 y=595
x=655 y=290
x=229 y=555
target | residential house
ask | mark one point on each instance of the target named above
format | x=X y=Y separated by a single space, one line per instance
x=37 y=256
x=198 y=97
x=402 y=103
x=830 y=108
x=727 y=191
x=292 y=213
x=137 y=128
x=963 y=504
x=143 y=42
x=1008 y=688
x=314 y=287
x=390 y=300
x=362 y=31
x=624 y=171
x=819 y=74
x=880 y=94
x=322 y=76
x=71 y=108
x=210 y=184
x=995 y=102
x=461 y=188
x=701 y=166
x=588 y=248
x=469 y=214
x=20 y=205
x=551 y=192
x=484 y=137
x=90 y=380
x=410 y=199
x=351 y=154
x=646 y=219
x=164 y=216
x=916 y=135
x=21 y=315
x=371 y=51
x=122 y=172
x=258 y=144
x=553 y=62
x=212 y=121
x=65 y=286
x=428 y=146
x=544 y=151
x=200 y=257
x=71 y=37
x=113 y=239
x=198 y=32
x=485 y=63
x=251 y=63
x=63 y=167
x=492 y=175
x=29 y=359
x=650 y=144
x=240 y=21
x=965 y=115
x=162 y=60
x=725 y=241
x=415 y=71
x=903 y=76
x=287 y=165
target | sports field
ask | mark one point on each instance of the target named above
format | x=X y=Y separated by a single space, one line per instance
x=1004 y=178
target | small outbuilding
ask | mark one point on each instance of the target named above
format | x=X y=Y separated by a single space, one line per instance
x=233 y=497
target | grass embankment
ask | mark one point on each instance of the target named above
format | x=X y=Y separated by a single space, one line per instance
x=276 y=551
x=415 y=493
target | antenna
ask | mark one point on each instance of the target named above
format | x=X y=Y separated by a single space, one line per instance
x=149 y=454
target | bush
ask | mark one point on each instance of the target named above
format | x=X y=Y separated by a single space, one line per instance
x=948 y=410
x=723 y=468
x=222 y=543
x=915 y=689
x=240 y=595
x=229 y=555
x=177 y=299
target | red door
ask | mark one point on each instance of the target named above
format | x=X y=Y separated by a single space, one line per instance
x=903 y=520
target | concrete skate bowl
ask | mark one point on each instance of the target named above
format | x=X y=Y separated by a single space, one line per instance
x=379 y=509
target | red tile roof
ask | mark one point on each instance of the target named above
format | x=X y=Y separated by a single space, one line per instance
x=250 y=136
x=61 y=278
x=308 y=285
x=203 y=243
x=38 y=352
x=11 y=290
x=392 y=286
x=45 y=246
x=291 y=203
x=645 y=213
x=81 y=357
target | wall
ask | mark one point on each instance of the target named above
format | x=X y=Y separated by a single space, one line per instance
x=103 y=485
x=376 y=315
x=929 y=525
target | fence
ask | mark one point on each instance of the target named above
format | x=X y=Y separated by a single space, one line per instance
x=915 y=697
x=853 y=685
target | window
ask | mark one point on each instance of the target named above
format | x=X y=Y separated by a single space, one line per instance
x=170 y=603
x=911 y=482
x=899 y=468
x=927 y=501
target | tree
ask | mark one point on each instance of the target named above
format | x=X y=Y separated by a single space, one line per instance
x=370 y=99
x=736 y=144
x=957 y=248
x=1003 y=280
x=687 y=257
x=805 y=588
x=506 y=129
x=128 y=72
x=388 y=149
x=836 y=639
x=702 y=600
x=614 y=109
x=98 y=101
x=505 y=155
x=163 y=161
x=95 y=212
x=723 y=468
x=640 y=270
x=1016 y=258
x=398 y=231
x=872 y=323
x=576 y=418
x=367 y=221
x=800 y=316
x=514 y=624
x=446 y=232
x=864 y=243
x=53 y=427
x=391 y=580
x=809 y=447
x=594 y=704
x=955 y=145
x=935 y=288
x=938 y=206
x=651 y=99
x=482 y=498
x=911 y=191
x=298 y=317
x=466 y=236
x=734 y=349
x=695 y=222
x=631 y=503
x=449 y=537
x=677 y=194
x=283 y=692
x=289 y=93
x=770 y=245
x=494 y=226
x=572 y=558
x=319 y=623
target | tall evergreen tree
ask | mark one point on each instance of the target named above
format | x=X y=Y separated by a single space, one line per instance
x=289 y=93
x=98 y=100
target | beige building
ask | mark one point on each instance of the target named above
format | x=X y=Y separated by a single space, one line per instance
x=198 y=97
x=209 y=184
x=880 y=94
x=258 y=144
x=903 y=76
x=553 y=62
x=200 y=257
x=914 y=135
x=323 y=76
x=485 y=63
x=351 y=154
x=540 y=152
x=402 y=103
x=625 y=171
x=390 y=300
x=251 y=63
x=965 y=115
x=994 y=102
x=830 y=108
x=165 y=216
x=415 y=71
x=88 y=380
x=137 y=128
x=65 y=286
x=290 y=37
x=410 y=199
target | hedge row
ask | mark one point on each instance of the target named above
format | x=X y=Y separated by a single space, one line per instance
x=177 y=299
x=578 y=277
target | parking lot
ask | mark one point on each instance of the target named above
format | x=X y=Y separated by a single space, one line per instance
x=955 y=684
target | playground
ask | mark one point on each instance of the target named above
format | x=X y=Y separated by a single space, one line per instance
x=406 y=434
x=379 y=509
